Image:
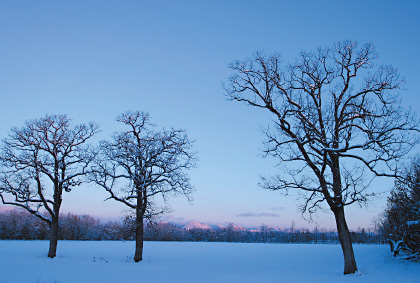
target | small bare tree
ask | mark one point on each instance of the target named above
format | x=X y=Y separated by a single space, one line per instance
x=139 y=165
x=42 y=160
x=335 y=115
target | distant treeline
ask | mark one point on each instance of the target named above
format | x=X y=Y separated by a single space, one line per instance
x=20 y=225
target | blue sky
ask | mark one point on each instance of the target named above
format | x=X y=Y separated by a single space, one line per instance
x=95 y=59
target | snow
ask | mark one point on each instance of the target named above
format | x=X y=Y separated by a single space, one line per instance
x=77 y=261
x=196 y=225
x=237 y=227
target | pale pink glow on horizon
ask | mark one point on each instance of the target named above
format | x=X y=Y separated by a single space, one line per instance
x=6 y=208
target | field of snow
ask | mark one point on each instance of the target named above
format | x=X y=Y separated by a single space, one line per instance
x=26 y=261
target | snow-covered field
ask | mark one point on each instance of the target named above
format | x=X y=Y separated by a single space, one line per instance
x=26 y=261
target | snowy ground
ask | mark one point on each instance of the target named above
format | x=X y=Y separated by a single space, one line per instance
x=26 y=261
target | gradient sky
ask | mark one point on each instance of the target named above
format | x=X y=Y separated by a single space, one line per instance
x=95 y=59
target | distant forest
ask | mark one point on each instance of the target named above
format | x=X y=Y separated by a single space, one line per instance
x=18 y=224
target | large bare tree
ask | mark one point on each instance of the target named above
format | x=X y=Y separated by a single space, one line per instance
x=42 y=160
x=141 y=164
x=336 y=118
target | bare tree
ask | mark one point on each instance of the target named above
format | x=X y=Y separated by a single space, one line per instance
x=140 y=165
x=42 y=160
x=335 y=114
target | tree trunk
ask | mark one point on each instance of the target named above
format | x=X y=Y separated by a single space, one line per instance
x=53 y=238
x=138 y=255
x=345 y=241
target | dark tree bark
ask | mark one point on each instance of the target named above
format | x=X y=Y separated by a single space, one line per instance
x=140 y=212
x=332 y=119
x=54 y=228
x=345 y=241
x=45 y=153
x=138 y=255
x=140 y=166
